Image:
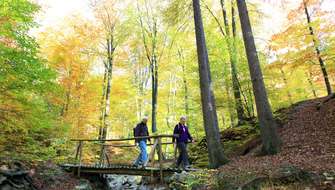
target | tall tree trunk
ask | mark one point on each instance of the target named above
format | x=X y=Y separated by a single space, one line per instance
x=215 y=149
x=154 y=75
x=152 y=58
x=270 y=138
x=233 y=61
x=67 y=97
x=102 y=104
x=168 y=104
x=286 y=84
x=110 y=51
x=250 y=97
x=186 y=105
x=223 y=119
x=65 y=108
x=230 y=105
x=183 y=67
x=142 y=80
x=186 y=102
x=310 y=82
x=186 y=93
x=317 y=50
x=137 y=82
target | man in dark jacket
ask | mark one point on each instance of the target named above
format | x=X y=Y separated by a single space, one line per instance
x=141 y=130
x=181 y=141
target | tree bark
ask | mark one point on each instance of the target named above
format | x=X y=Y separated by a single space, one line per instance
x=186 y=95
x=286 y=84
x=102 y=104
x=310 y=82
x=230 y=105
x=317 y=50
x=110 y=52
x=215 y=149
x=268 y=126
x=154 y=94
x=152 y=58
x=186 y=105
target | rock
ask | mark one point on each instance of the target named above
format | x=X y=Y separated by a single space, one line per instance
x=120 y=182
x=14 y=177
x=199 y=187
x=2 y=178
x=83 y=185
x=6 y=187
x=4 y=168
x=179 y=180
x=328 y=176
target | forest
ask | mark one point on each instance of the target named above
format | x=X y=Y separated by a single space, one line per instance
x=254 y=80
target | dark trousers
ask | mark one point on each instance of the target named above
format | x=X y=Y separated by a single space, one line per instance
x=183 y=156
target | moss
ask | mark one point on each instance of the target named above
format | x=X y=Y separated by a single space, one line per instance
x=236 y=141
x=192 y=180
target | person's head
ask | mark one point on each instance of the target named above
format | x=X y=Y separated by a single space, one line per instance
x=145 y=119
x=182 y=120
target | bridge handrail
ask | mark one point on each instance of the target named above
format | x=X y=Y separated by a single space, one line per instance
x=126 y=139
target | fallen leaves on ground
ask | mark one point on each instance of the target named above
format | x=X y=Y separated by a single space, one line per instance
x=308 y=143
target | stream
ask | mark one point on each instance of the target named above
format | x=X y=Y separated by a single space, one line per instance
x=126 y=182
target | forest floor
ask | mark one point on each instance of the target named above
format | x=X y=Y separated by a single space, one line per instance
x=306 y=159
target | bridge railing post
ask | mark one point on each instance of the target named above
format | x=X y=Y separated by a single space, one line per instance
x=160 y=159
x=80 y=156
x=152 y=153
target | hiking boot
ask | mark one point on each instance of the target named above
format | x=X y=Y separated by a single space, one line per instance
x=187 y=168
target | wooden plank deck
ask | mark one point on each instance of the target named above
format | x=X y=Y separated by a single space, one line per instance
x=119 y=169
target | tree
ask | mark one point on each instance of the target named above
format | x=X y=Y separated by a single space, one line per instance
x=317 y=49
x=78 y=102
x=27 y=86
x=231 y=41
x=306 y=44
x=151 y=39
x=270 y=138
x=107 y=15
x=215 y=150
x=232 y=53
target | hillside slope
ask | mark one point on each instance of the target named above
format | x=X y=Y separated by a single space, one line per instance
x=308 y=144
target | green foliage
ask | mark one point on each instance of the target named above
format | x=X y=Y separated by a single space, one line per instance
x=27 y=115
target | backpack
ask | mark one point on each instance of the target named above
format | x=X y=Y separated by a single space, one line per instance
x=136 y=131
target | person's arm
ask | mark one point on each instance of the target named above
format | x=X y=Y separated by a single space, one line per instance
x=148 y=134
x=189 y=135
x=175 y=132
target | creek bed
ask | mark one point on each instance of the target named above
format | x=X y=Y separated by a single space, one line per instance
x=127 y=182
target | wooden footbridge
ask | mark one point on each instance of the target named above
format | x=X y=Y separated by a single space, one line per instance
x=105 y=165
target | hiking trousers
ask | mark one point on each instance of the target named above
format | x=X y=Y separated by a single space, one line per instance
x=183 y=156
x=143 y=156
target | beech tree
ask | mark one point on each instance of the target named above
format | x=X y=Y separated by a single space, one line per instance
x=317 y=48
x=232 y=52
x=105 y=13
x=215 y=150
x=270 y=138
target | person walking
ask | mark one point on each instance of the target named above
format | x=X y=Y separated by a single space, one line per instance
x=181 y=141
x=141 y=130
